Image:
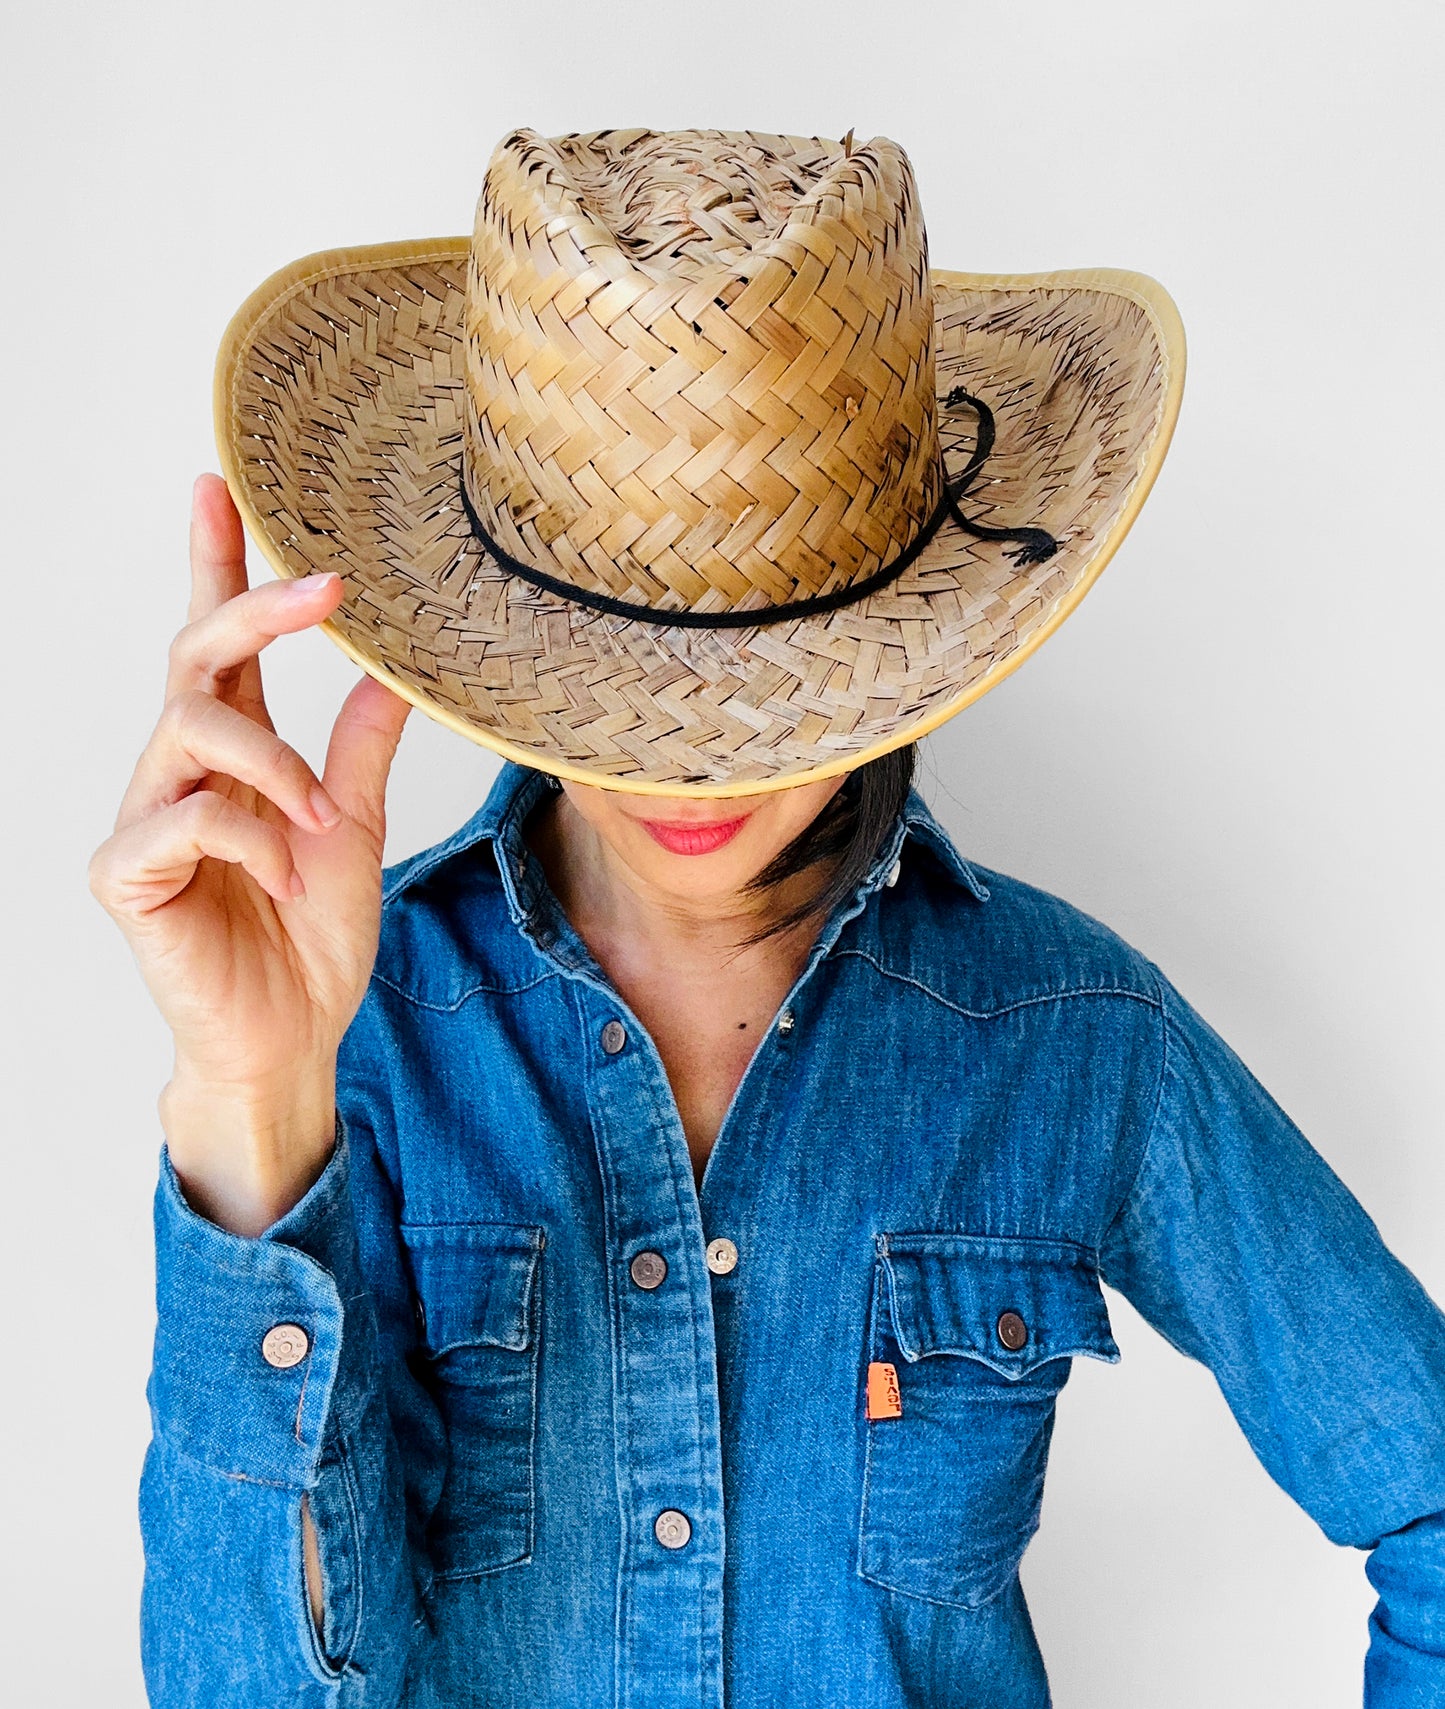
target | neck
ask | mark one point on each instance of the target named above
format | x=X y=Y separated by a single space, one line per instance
x=623 y=917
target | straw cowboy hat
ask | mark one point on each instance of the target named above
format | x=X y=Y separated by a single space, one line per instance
x=686 y=474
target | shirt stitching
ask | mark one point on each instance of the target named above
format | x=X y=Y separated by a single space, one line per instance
x=471 y=991
x=1154 y=1114
x=1005 y=1008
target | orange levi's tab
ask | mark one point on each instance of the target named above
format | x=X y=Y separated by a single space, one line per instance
x=884 y=1400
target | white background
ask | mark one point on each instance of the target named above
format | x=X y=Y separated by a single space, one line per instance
x=1231 y=753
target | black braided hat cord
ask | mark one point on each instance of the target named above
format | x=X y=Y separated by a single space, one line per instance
x=1034 y=545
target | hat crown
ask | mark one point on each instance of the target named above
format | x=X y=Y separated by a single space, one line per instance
x=700 y=364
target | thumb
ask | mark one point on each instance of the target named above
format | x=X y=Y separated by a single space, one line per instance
x=363 y=744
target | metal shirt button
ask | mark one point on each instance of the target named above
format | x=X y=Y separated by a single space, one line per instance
x=785 y=1022
x=722 y=1256
x=285 y=1345
x=671 y=1528
x=648 y=1270
x=614 y=1036
x=1012 y=1330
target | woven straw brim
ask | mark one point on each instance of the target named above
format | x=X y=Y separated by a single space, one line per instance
x=339 y=399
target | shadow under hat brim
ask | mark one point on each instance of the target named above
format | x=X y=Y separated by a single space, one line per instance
x=338 y=407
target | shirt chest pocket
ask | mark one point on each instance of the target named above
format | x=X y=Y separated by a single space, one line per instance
x=980 y=1333
x=478 y=1288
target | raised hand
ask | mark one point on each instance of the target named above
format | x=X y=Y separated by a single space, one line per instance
x=248 y=888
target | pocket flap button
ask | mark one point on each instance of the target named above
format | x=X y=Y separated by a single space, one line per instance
x=1012 y=1330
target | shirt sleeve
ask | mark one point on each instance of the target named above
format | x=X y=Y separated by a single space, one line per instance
x=1244 y=1249
x=240 y=1437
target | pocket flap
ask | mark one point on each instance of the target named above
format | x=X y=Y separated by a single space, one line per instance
x=978 y=1295
x=475 y=1282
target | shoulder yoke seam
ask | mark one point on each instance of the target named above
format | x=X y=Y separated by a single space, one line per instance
x=470 y=992
x=1005 y=1008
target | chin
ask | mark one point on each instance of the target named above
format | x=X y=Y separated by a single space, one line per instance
x=696 y=850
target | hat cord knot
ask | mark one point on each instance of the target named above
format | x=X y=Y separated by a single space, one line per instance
x=1034 y=546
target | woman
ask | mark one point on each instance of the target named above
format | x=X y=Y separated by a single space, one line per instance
x=631 y=1252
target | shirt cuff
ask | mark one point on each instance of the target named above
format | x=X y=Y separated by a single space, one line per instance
x=256 y=1355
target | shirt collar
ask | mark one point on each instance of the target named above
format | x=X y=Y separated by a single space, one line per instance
x=515 y=791
x=920 y=823
x=517 y=788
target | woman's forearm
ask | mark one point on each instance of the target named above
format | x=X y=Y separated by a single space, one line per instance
x=245 y=1155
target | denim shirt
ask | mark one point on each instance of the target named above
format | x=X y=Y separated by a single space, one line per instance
x=544 y=1473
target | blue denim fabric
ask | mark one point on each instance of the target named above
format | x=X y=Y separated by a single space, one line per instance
x=976 y=1100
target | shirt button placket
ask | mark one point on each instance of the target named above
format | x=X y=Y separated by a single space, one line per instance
x=669 y=1466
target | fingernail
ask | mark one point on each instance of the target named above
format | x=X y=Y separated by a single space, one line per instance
x=298 y=889
x=324 y=807
x=308 y=584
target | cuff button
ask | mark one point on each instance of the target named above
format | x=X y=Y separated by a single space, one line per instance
x=285 y=1345
x=614 y=1036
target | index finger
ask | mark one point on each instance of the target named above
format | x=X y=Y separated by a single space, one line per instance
x=218 y=547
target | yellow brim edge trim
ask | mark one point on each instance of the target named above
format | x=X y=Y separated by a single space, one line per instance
x=1139 y=288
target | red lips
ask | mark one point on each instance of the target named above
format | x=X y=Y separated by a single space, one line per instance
x=680 y=838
